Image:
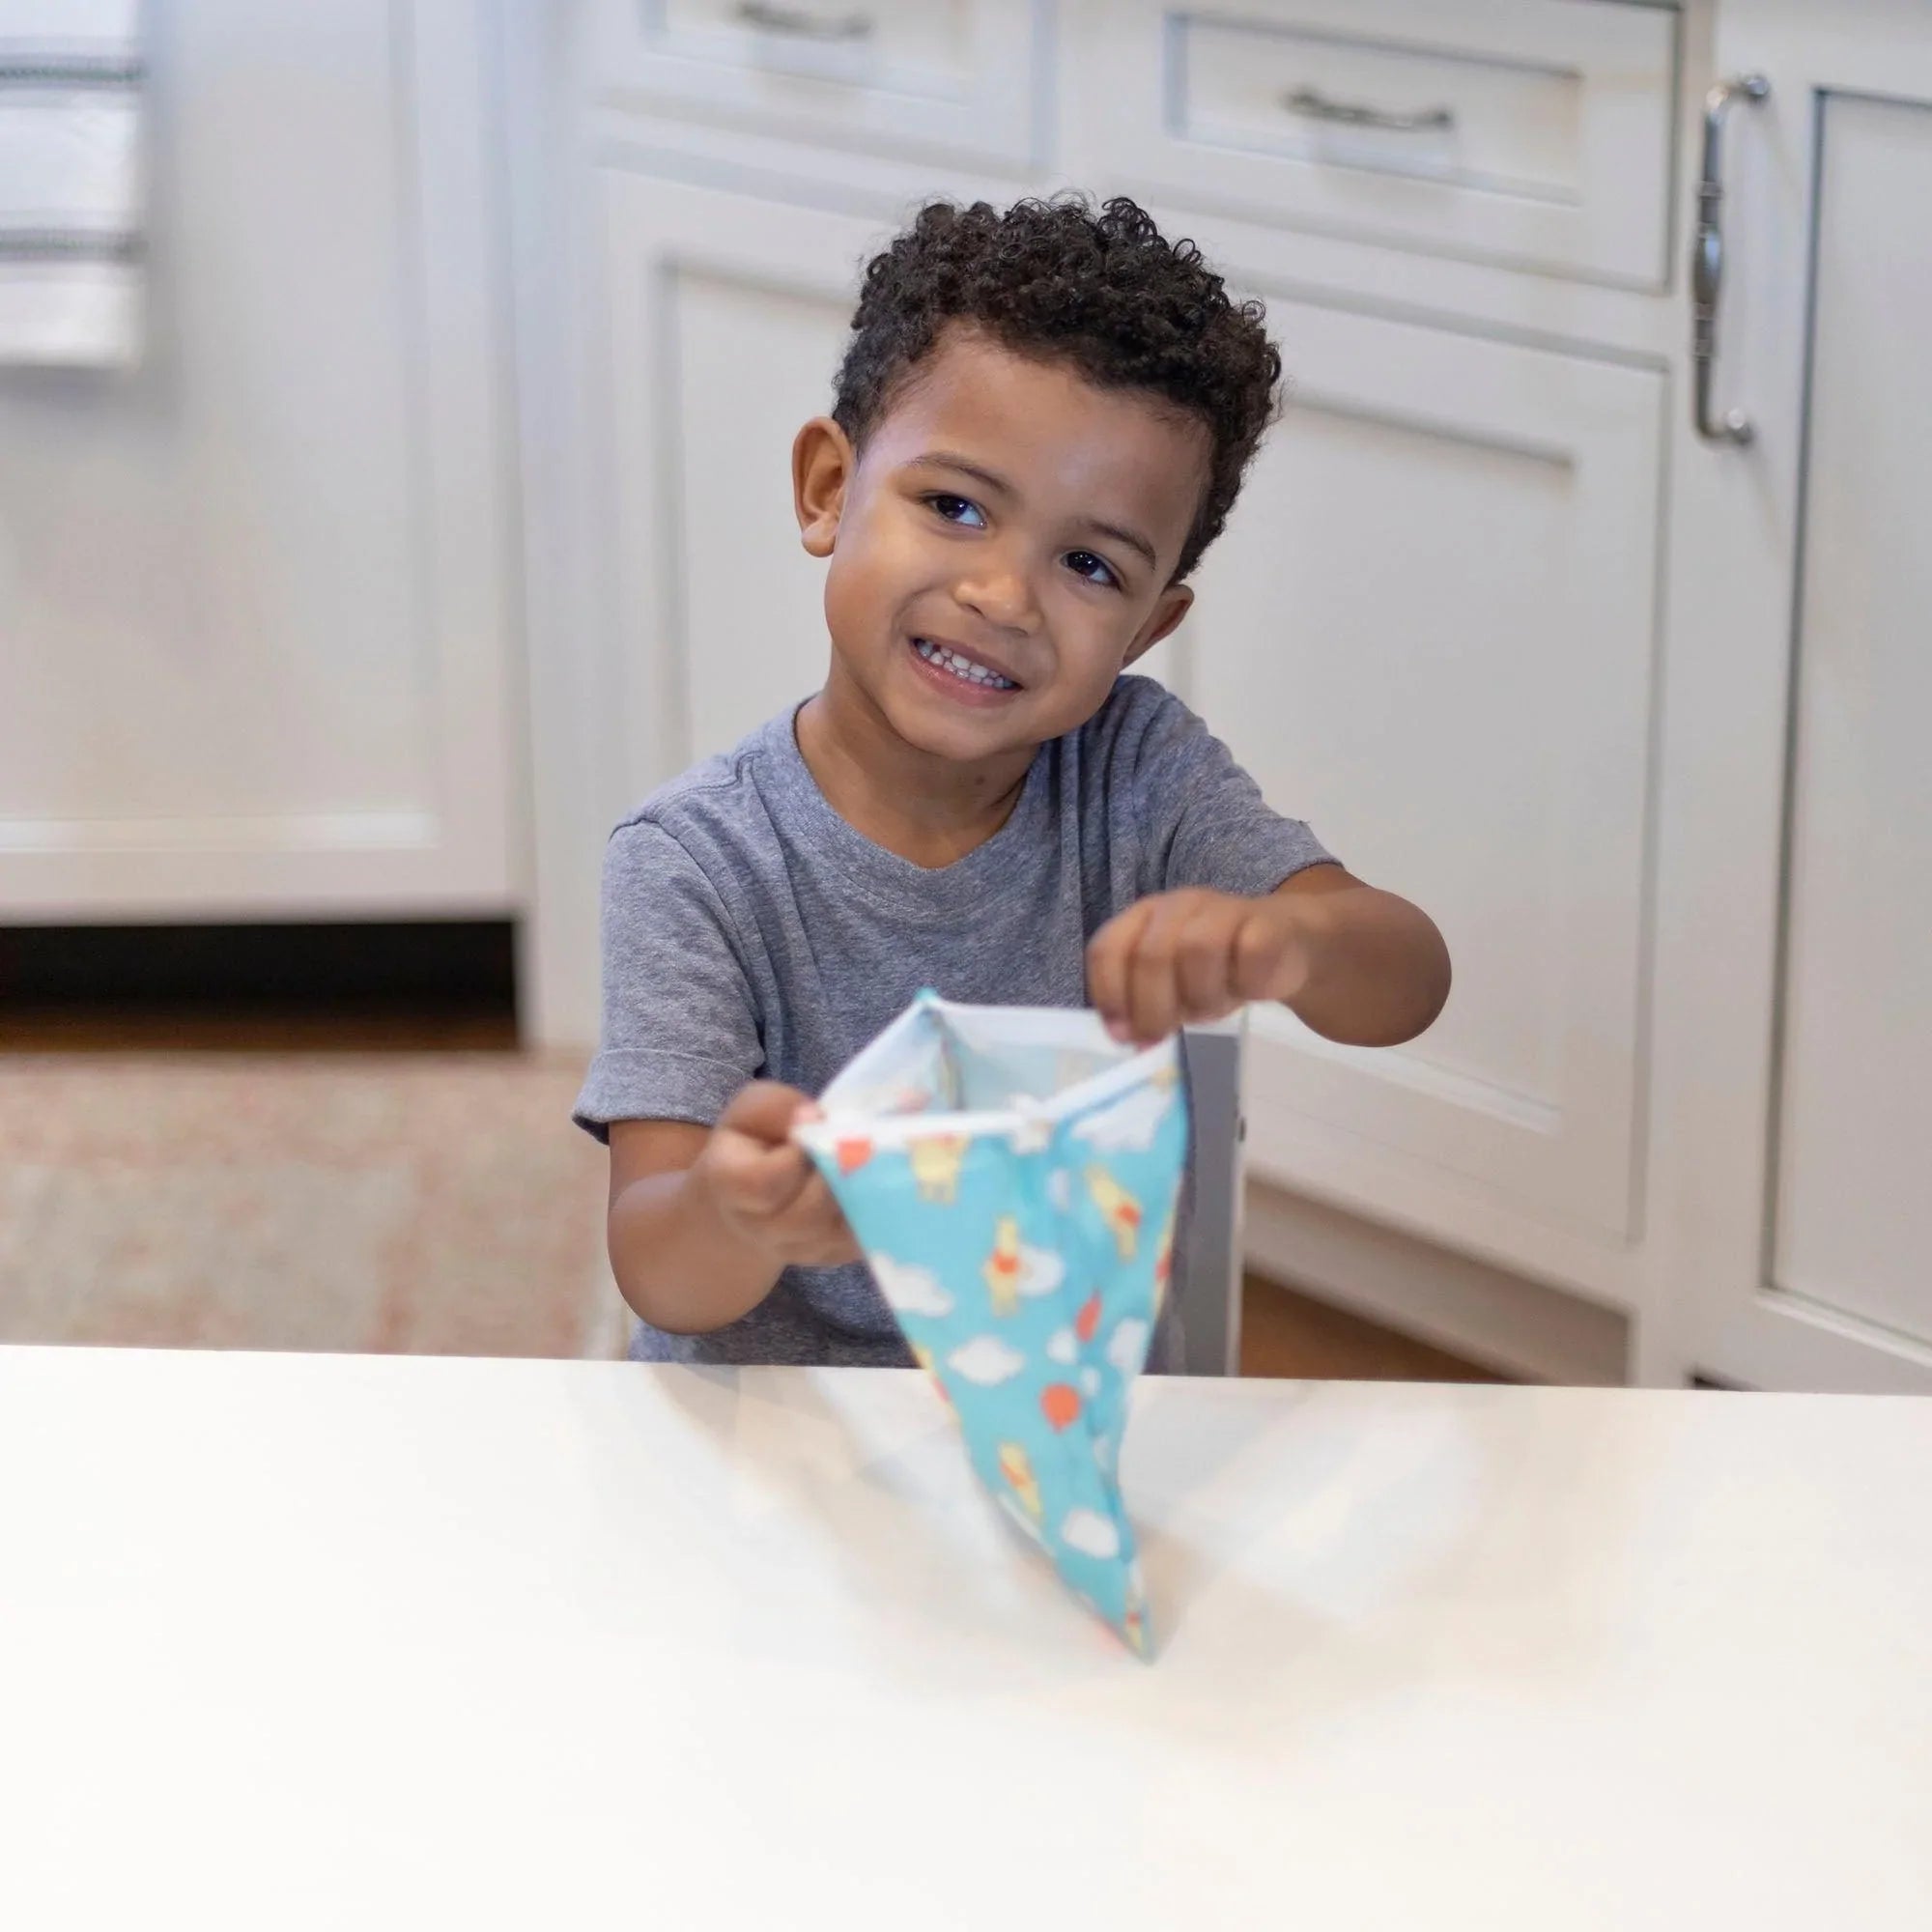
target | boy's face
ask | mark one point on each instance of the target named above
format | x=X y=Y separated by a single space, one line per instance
x=1001 y=548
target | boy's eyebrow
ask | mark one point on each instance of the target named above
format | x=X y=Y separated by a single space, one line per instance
x=946 y=458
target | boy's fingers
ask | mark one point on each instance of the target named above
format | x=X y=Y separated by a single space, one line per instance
x=1154 y=1008
x=1204 y=967
x=755 y=1179
x=1108 y=959
x=1259 y=953
x=764 y=1111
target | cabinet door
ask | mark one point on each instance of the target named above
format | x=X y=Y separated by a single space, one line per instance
x=726 y=317
x=1429 y=630
x=253 y=652
x=1802 y=1120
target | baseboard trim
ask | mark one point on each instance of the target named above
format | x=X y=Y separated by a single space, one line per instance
x=1503 y=1322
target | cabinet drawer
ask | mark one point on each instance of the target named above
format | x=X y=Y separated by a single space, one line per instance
x=951 y=79
x=1531 y=132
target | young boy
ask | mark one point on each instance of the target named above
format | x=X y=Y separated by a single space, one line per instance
x=1040 y=423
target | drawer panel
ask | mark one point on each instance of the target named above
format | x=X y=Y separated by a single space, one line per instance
x=945 y=79
x=796 y=33
x=1535 y=133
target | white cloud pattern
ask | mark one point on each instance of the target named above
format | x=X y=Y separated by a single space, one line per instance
x=1040 y=1271
x=1126 y=1346
x=1061 y=1347
x=1060 y=1188
x=1129 y=1125
x=986 y=1360
x=1091 y=1533
x=911 y=1290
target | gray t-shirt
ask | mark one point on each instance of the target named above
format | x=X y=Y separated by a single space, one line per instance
x=748 y=933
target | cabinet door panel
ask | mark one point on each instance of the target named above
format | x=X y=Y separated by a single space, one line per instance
x=753 y=362
x=1795 y=1054
x=727 y=319
x=1429 y=630
x=1853 y=1216
x=253 y=603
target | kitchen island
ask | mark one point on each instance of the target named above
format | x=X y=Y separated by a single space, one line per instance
x=306 y=1640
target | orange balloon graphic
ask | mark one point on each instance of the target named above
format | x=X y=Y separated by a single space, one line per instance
x=1059 y=1404
x=1087 y=1322
x=852 y=1154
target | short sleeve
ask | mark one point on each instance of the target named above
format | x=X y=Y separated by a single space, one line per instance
x=1202 y=819
x=680 y=1033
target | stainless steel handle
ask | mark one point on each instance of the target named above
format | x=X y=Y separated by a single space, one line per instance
x=1706 y=260
x=803 y=25
x=1314 y=106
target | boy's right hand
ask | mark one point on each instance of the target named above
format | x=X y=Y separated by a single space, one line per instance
x=764 y=1183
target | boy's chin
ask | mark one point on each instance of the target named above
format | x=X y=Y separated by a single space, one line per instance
x=963 y=739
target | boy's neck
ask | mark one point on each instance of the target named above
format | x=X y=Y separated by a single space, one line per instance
x=924 y=809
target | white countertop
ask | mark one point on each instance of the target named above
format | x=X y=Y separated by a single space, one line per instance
x=306 y=1640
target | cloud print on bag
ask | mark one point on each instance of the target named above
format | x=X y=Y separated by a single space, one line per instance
x=1061 y=1347
x=1060 y=1188
x=1129 y=1125
x=1091 y=1533
x=986 y=1360
x=1040 y=1271
x=911 y=1290
x=1126 y=1346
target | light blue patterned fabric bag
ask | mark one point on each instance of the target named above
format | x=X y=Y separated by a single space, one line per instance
x=1012 y=1176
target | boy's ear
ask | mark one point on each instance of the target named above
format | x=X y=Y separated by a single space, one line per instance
x=822 y=461
x=1169 y=609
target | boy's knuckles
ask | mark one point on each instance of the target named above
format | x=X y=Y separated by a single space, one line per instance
x=1257 y=941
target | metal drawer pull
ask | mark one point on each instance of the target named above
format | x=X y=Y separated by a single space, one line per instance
x=1706 y=260
x=802 y=25
x=1315 y=105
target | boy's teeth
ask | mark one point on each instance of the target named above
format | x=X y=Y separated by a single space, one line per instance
x=950 y=659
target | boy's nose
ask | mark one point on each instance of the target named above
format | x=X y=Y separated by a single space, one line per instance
x=1002 y=596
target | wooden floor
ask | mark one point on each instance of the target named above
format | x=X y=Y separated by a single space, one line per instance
x=1291 y=1335
x=1284 y=1333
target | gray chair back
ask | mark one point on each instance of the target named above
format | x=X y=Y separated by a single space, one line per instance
x=1210 y=1277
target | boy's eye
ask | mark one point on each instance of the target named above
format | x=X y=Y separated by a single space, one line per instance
x=957 y=509
x=1094 y=569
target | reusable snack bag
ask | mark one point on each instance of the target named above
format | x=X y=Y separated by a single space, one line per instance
x=1014 y=1176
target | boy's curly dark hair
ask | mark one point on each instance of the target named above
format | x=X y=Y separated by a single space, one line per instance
x=1104 y=292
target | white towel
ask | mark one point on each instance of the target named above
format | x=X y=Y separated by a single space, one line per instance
x=70 y=181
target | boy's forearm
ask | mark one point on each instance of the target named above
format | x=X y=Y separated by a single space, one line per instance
x=1377 y=968
x=677 y=1262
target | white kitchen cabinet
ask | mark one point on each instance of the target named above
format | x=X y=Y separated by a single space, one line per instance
x=1633 y=712
x=1797 y=1113
x=727 y=318
x=255 y=641
x=1428 y=630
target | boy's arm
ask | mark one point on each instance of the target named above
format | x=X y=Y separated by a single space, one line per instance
x=1373 y=968
x=702 y=1220
x=1355 y=964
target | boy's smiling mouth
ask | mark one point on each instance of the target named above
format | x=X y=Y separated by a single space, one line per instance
x=966 y=674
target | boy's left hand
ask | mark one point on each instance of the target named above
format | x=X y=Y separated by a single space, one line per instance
x=1193 y=956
